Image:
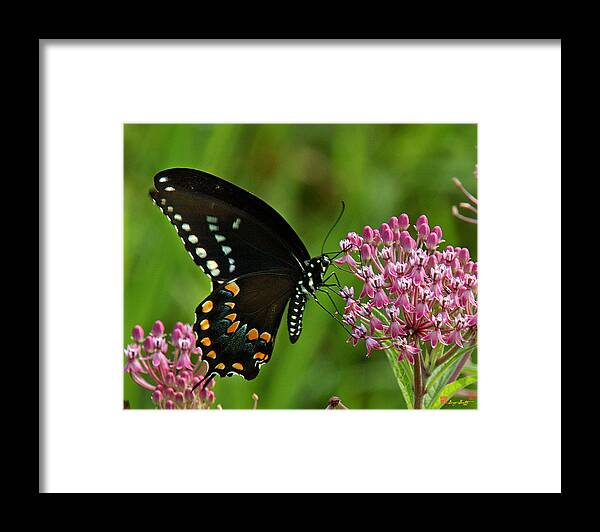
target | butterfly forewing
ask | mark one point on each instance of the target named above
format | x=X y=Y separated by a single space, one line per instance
x=227 y=231
x=237 y=323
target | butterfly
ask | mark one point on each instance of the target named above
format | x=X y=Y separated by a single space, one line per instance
x=256 y=262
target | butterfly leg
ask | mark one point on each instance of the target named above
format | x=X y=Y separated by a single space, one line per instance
x=328 y=312
x=334 y=275
x=329 y=296
x=205 y=382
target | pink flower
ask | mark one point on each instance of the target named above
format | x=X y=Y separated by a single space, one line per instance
x=169 y=376
x=406 y=350
x=371 y=343
x=413 y=294
x=132 y=352
x=455 y=336
x=435 y=335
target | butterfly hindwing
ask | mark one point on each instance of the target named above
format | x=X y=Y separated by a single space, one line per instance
x=237 y=323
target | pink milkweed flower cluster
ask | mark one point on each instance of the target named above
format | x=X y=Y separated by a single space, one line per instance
x=169 y=368
x=413 y=293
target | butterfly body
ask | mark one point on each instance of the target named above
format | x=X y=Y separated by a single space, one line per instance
x=256 y=262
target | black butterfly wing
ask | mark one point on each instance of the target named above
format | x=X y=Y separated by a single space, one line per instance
x=237 y=323
x=227 y=231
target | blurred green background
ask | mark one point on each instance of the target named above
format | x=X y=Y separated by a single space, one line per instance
x=303 y=171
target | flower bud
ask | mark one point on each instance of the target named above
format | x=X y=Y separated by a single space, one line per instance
x=169 y=405
x=407 y=242
x=404 y=221
x=463 y=255
x=179 y=382
x=177 y=334
x=393 y=223
x=188 y=395
x=157 y=396
x=137 y=333
x=432 y=240
x=170 y=379
x=438 y=231
x=368 y=233
x=365 y=252
x=169 y=393
x=422 y=220
x=149 y=344
x=158 y=328
x=386 y=234
x=423 y=230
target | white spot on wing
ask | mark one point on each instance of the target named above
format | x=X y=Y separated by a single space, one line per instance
x=193 y=239
x=201 y=252
x=213 y=227
x=212 y=265
x=219 y=238
x=177 y=217
x=226 y=250
x=163 y=179
x=169 y=189
x=237 y=223
x=212 y=219
x=185 y=227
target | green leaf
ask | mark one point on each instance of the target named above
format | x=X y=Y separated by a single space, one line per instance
x=439 y=377
x=450 y=389
x=436 y=353
x=403 y=373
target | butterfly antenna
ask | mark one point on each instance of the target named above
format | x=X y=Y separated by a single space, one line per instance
x=333 y=226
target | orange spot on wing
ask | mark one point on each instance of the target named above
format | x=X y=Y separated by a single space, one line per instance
x=220 y=365
x=231 y=317
x=205 y=341
x=233 y=288
x=253 y=334
x=233 y=327
x=230 y=304
x=266 y=336
x=207 y=306
x=211 y=354
x=238 y=366
x=259 y=355
x=204 y=324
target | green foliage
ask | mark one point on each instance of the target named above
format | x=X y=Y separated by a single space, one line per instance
x=450 y=389
x=303 y=171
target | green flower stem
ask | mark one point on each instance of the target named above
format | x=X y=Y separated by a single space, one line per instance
x=461 y=365
x=419 y=387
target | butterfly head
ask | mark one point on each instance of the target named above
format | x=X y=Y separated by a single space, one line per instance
x=315 y=272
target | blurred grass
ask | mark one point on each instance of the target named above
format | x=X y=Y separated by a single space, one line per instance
x=303 y=171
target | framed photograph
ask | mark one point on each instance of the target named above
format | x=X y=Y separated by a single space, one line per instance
x=211 y=282
x=239 y=237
